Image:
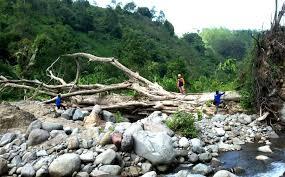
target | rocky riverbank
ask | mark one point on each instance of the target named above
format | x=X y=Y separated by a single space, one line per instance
x=72 y=146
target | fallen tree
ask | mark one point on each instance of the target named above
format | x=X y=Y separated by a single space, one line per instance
x=152 y=95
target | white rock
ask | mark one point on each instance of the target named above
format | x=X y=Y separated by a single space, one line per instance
x=224 y=173
x=261 y=157
x=220 y=131
x=183 y=142
x=150 y=174
x=265 y=148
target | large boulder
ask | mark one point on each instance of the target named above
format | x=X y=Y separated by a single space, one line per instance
x=3 y=166
x=13 y=117
x=65 y=165
x=224 y=173
x=49 y=126
x=108 y=116
x=134 y=128
x=106 y=157
x=154 y=123
x=7 y=138
x=37 y=124
x=37 y=136
x=155 y=147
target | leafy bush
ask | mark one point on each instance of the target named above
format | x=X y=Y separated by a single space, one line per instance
x=183 y=123
x=118 y=116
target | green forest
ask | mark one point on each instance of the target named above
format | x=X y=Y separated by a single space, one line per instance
x=33 y=33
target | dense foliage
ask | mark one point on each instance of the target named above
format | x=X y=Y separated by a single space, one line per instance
x=183 y=124
x=33 y=33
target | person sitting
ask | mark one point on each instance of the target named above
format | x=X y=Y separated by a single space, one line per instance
x=58 y=102
x=180 y=84
x=217 y=100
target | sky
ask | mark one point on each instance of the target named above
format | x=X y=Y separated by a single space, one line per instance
x=194 y=15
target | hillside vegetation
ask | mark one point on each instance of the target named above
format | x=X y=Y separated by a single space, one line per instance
x=33 y=33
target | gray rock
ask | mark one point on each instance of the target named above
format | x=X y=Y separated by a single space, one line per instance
x=3 y=167
x=29 y=156
x=7 y=138
x=205 y=157
x=65 y=165
x=2 y=151
x=42 y=172
x=87 y=157
x=155 y=147
x=67 y=114
x=197 y=145
x=146 y=167
x=67 y=130
x=73 y=142
x=202 y=169
x=224 y=173
x=28 y=171
x=193 y=158
x=106 y=157
x=41 y=153
x=82 y=174
x=97 y=173
x=49 y=126
x=87 y=168
x=111 y=169
x=273 y=135
x=183 y=142
x=37 y=124
x=16 y=161
x=150 y=174
x=108 y=116
x=78 y=115
x=127 y=143
x=37 y=136
x=186 y=173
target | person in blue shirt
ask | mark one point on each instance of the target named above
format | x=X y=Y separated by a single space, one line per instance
x=58 y=102
x=217 y=100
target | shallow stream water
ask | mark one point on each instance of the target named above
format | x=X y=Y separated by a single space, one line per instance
x=274 y=167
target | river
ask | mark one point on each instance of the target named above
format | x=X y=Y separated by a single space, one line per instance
x=274 y=167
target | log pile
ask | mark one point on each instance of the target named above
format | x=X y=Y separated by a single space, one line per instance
x=152 y=96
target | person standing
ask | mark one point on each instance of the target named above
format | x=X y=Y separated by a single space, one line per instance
x=217 y=100
x=58 y=102
x=180 y=84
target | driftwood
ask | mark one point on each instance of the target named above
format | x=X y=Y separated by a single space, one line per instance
x=153 y=96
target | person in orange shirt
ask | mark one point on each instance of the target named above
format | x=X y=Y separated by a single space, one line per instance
x=180 y=84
